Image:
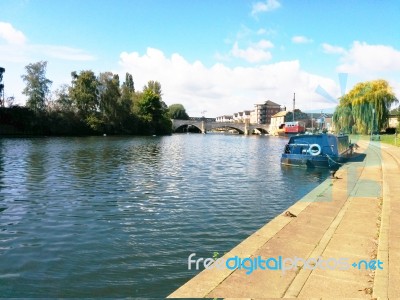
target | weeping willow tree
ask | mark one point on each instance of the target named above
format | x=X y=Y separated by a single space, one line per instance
x=365 y=108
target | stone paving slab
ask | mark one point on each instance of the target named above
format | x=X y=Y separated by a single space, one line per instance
x=386 y=284
x=329 y=287
x=340 y=218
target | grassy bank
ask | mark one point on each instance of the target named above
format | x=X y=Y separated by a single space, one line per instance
x=384 y=138
x=391 y=139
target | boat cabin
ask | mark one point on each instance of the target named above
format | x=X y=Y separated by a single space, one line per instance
x=318 y=144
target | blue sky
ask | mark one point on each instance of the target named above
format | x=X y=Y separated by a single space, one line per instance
x=215 y=55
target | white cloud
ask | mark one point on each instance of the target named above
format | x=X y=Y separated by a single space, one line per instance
x=264 y=44
x=63 y=52
x=28 y=53
x=247 y=33
x=363 y=58
x=299 y=39
x=244 y=32
x=330 y=49
x=17 y=50
x=220 y=89
x=11 y=35
x=255 y=53
x=368 y=62
x=13 y=54
x=264 y=6
x=263 y=31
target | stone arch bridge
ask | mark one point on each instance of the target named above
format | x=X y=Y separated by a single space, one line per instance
x=208 y=124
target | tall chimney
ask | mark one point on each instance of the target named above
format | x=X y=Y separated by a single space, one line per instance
x=294 y=103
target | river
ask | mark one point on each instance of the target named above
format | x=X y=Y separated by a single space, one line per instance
x=119 y=216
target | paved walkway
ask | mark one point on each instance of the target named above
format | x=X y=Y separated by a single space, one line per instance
x=343 y=221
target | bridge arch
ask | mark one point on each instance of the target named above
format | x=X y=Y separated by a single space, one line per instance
x=228 y=127
x=262 y=130
x=187 y=126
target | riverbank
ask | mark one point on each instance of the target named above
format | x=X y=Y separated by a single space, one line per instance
x=19 y=121
x=347 y=218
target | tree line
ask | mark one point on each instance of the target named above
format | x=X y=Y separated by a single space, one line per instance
x=90 y=105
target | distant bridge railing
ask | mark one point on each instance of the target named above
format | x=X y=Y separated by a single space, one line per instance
x=202 y=119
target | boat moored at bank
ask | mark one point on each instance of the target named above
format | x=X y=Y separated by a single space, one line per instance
x=294 y=127
x=317 y=151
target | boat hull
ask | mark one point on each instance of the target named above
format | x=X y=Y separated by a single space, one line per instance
x=310 y=161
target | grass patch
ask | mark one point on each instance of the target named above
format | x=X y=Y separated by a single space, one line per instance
x=390 y=139
x=384 y=138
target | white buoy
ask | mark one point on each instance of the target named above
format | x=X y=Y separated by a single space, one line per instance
x=104 y=134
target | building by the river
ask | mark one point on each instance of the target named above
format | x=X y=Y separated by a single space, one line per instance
x=265 y=111
x=261 y=114
x=278 y=120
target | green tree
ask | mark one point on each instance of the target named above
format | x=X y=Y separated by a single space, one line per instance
x=130 y=86
x=178 y=112
x=343 y=119
x=37 y=85
x=84 y=93
x=63 y=101
x=109 y=92
x=153 y=86
x=127 y=95
x=153 y=112
x=298 y=116
x=365 y=108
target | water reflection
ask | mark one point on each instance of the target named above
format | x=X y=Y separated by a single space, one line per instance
x=117 y=217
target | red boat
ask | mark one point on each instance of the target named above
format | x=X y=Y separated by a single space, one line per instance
x=295 y=127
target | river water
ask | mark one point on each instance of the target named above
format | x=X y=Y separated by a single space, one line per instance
x=119 y=216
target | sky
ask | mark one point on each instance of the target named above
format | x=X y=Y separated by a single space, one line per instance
x=215 y=57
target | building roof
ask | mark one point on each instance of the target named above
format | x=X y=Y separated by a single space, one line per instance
x=270 y=103
x=280 y=114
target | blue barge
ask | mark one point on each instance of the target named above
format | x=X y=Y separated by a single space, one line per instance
x=317 y=151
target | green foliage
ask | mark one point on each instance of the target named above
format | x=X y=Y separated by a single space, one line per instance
x=20 y=118
x=109 y=93
x=153 y=112
x=153 y=86
x=298 y=115
x=127 y=97
x=95 y=122
x=63 y=101
x=128 y=84
x=343 y=118
x=365 y=108
x=37 y=85
x=91 y=105
x=178 y=112
x=84 y=92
